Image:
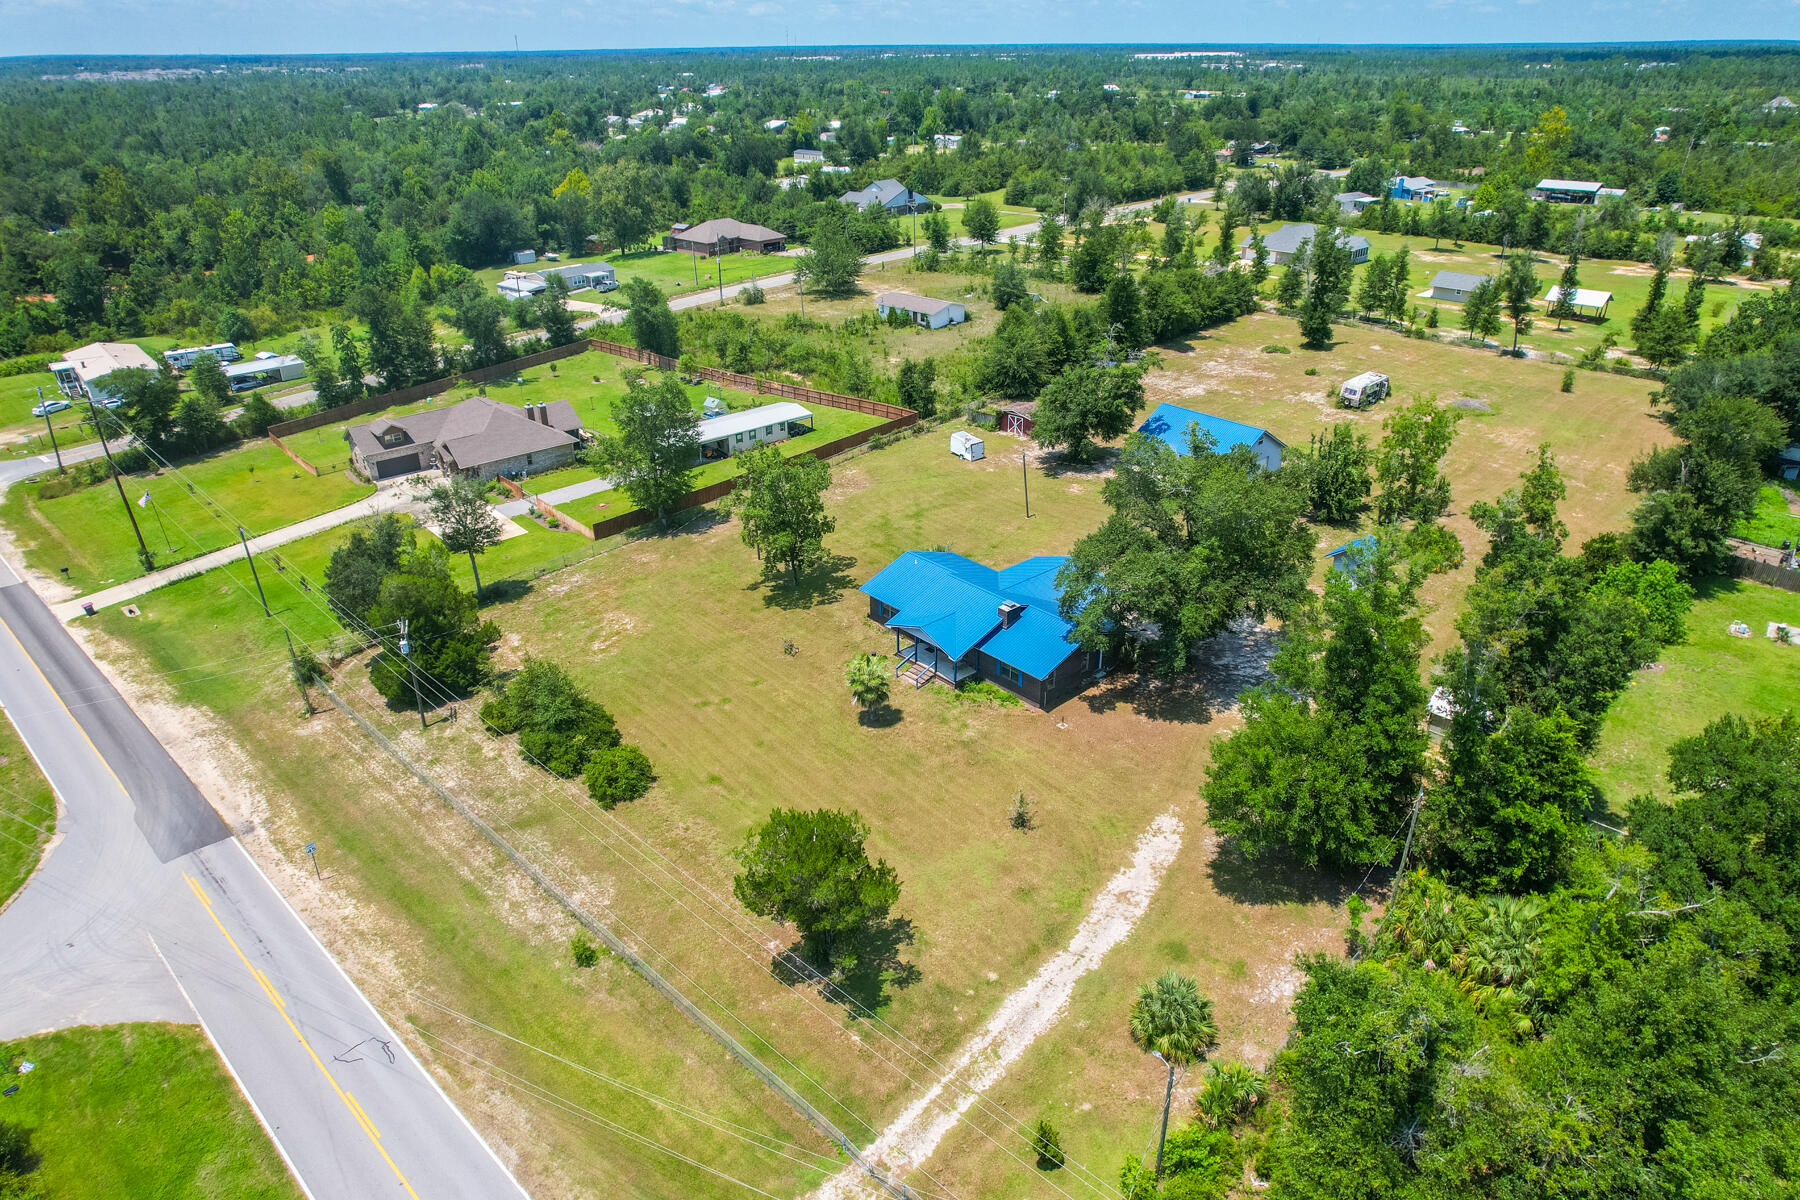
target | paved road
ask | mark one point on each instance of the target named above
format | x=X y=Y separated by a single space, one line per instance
x=146 y=908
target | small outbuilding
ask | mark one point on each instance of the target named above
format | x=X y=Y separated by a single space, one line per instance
x=809 y=156
x=1350 y=203
x=735 y=432
x=521 y=257
x=1454 y=286
x=1587 y=302
x=922 y=310
x=1174 y=426
x=967 y=446
x=1018 y=418
x=255 y=372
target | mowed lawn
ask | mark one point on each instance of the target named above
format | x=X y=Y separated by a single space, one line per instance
x=1698 y=680
x=89 y=533
x=674 y=272
x=139 y=1110
x=682 y=640
x=1629 y=282
x=27 y=813
x=829 y=424
x=1594 y=431
x=591 y=382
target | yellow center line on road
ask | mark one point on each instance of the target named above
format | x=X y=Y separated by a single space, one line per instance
x=349 y=1101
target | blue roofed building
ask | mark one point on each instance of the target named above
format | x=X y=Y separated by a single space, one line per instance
x=958 y=620
x=1170 y=423
x=1350 y=557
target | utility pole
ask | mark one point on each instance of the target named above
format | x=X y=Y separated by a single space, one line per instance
x=1168 y=1097
x=244 y=540
x=411 y=672
x=51 y=430
x=144 y=555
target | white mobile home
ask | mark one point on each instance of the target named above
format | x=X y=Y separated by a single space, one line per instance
x=184 y=358
x=734 y=433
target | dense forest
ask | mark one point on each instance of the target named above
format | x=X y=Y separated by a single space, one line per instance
x=254 y=194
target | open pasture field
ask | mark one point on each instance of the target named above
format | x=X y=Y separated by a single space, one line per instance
x=1508 y=407
x=87 y=531
x=683 y=641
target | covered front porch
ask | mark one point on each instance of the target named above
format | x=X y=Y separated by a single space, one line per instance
x=919 y=662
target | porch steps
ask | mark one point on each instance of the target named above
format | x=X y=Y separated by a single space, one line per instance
x=918 y=674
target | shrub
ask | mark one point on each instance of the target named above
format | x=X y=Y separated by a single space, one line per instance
x=1046 y=1143
x=1276 y=350
x=1433 y=547
x=753 y=294
x=497 y=715
x=1312 y=370
x=1568 y=383
x=617 y=775
x=983 y=691
x=583 y=951
x=560 y=727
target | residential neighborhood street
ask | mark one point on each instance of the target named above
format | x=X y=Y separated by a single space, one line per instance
x=146 y=908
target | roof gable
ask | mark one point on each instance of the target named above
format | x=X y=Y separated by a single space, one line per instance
x=954 y=603
x=1169 y=424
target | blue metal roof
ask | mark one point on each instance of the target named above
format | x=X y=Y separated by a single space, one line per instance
x=1170 y=423
x=954 y=603
x=1349 y=557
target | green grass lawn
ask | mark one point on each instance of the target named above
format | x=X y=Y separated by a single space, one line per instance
x=672 y=271
x=87 y=531
x=1699 y=680
x=829 y=424
x=139 y=1110
x=1629 y=282
x=1773 y=522
x=27 y=814
x=590 y=382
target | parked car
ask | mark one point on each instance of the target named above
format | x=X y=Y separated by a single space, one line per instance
x=50 y=406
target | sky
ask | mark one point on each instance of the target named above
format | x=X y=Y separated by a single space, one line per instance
x=31 y=27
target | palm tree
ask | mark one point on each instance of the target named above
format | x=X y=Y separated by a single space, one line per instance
x=1229 y=1092
x=867 y=676
x=1173 y=1021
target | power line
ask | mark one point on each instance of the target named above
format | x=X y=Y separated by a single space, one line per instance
x=443 y=695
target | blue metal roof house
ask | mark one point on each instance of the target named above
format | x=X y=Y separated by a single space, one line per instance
x=1170 y=424
x=962 y=621
x=1350 y=556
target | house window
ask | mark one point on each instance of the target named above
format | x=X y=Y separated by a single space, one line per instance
x=740 y=437
x=528 y=460
x=768 y=430
x=884 y=612
x=1008 y=674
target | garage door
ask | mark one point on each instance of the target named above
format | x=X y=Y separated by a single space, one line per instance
x=387 y=468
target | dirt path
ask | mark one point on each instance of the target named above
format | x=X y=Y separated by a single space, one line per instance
x=1032 y=1010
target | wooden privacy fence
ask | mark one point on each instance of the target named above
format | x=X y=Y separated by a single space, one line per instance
x=723 y=488
x=419 y=391
x=304 y=465
x=1785 y=578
